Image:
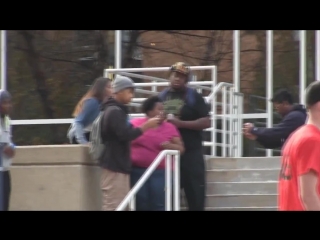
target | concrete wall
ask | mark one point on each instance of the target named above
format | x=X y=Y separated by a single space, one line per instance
x=57 y=177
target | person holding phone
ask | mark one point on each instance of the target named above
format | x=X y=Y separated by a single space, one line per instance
x=116 y=134
x=145 y=149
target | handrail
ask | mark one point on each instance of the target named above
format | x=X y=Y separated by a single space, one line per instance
x=147 y=174
x=147 y=77
x=218 y=88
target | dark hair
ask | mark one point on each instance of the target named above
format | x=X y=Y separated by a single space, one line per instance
x=313 y=94
x=149 y=104
x=281 y=96
x=97 y=90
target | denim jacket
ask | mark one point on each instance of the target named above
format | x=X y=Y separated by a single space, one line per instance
x=82 y=123
x=5 y=139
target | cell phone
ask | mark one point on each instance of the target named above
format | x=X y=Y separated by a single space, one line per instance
x=170 y=116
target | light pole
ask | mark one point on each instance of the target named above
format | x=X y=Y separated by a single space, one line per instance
x=3 y=86
x=118 y=45
x=3 y=59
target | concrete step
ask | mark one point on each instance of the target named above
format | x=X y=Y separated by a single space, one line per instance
x=242 y=175
x=242 y=187
x=243 y=163
x=237 y=209
x=244 y=209
x=240 y=201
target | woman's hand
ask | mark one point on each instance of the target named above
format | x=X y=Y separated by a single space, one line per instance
x=165 y=145
x=174 y=144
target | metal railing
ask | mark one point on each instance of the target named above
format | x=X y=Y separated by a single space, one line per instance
x=164 y=82
x=169 y=154
x=231 y=120
x=231 y=114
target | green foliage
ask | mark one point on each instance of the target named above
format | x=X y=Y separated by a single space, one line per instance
x=49 y=71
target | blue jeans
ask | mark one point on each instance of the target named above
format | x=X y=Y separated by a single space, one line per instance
x=151 y=196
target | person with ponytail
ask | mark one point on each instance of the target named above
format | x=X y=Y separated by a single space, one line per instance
x=7 y=149
x=87 y=110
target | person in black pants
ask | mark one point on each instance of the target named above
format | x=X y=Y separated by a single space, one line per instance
x=190 y=114
x=7 y=150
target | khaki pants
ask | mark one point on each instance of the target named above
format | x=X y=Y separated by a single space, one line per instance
x=115 y=186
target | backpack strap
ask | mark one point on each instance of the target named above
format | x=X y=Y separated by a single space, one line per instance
x=191 y=96
x=163 y=94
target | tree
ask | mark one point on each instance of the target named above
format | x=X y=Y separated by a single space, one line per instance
x=50 y=70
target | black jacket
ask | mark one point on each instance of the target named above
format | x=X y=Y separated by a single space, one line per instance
x=275 y=137
x=116 y=134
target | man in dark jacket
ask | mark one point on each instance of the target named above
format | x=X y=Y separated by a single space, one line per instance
x=293 y=116
x=190 y=116
x=116 y=134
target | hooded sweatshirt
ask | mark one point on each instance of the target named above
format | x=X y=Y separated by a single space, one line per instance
x=116 y=134
x=275 y=137
x=5 y=135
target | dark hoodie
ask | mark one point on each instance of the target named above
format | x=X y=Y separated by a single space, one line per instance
x=116 y=134
x=275 y=137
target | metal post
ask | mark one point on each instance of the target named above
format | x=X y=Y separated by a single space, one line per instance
x=177 y=182
x=303 y=66
x=168 y=182
x=224 y=121
x=240 y=124
x=236 y=60
x=231 y=123
x=118 y=45
x=3 y=59
x=133 y=204
x=230 y=108
x=269 y=81
x=317 y=67
x=1 y=180
x=3 y=86
x=213 y=110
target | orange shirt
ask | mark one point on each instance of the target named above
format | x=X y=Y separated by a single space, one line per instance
x=300 y=154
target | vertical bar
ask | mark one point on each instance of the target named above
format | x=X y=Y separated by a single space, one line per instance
x=1 y=180
x=133 y=203
x=224 y=121
x=195 y=78
x=303 y=65
x=240 y=123
x=213 y=110
x=234 y=124
x=236 y=83
x=177 y=182
x=3 y=86
x=168 y=182
x=3 y=59
x=269 y=81
x=231 y=121
x=118 y=46
x=154 y=88
x=236 y=60
x=317 y=67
